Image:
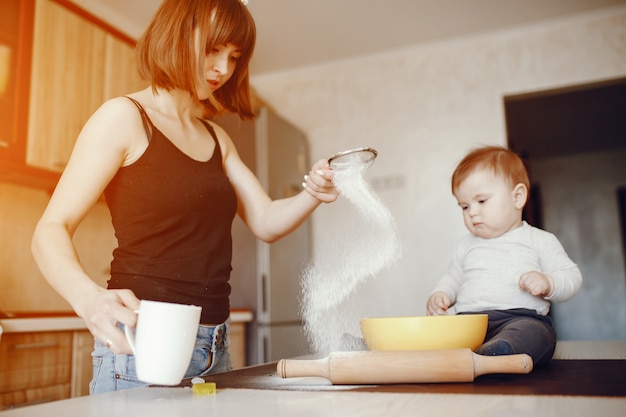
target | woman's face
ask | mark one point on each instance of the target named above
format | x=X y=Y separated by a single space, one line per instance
x=218 y=66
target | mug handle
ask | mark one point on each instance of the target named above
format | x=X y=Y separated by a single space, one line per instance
x=130 y=335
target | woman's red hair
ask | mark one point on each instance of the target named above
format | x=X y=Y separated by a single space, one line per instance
x=167 y=54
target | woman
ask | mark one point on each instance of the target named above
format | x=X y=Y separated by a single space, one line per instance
x=173 y=182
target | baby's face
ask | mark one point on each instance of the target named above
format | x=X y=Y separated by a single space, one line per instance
x=488 y=204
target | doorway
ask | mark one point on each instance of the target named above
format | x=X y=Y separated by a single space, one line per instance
x=573 y=141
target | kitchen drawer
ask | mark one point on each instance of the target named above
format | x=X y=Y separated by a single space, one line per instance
x=237 y=348
x=33 y=360
x=82 y=363
x=33 y=396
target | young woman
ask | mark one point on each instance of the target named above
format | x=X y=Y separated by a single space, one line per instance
x=173 y=182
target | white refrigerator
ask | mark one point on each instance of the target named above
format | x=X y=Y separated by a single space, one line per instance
x=266 y=277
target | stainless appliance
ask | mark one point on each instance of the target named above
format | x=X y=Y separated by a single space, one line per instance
x=266 y=277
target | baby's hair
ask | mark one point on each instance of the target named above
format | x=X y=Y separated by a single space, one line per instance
x=501 y=161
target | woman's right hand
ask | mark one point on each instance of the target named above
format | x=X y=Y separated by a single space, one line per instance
x=103 y=310
x=319 y=182
x=437 y=304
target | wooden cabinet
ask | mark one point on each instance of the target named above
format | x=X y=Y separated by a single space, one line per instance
x=78 y=62
x=40 y=366
x=66 y=83
x=120 y=72
x=34 y=367
x=82 y=363
x=16 y=27
x=237 y=348
x=76 y=66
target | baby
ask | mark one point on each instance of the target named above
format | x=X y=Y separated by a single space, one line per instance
x=504 y=268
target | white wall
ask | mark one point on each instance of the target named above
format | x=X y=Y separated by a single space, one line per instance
x=423 y=108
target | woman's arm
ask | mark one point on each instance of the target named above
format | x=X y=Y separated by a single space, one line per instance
x=103 y=145
x=268 y=219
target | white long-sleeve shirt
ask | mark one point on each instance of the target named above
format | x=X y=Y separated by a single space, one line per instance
x=484 y=273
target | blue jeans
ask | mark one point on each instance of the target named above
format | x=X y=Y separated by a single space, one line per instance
x=113 y=372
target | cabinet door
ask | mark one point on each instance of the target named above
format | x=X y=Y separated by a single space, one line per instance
x=237 y=348
x=67 y=82
x=16 y=25
x=34 y=367
x=121 y=75
x=82 y=363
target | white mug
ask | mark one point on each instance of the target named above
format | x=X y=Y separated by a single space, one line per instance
x=164 y=341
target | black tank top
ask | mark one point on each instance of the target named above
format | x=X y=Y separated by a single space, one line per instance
x=172 y=217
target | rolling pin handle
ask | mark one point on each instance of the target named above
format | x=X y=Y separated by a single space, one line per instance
x=505 y=364
x=288 y=368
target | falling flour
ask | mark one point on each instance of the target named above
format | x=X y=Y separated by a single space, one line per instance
x=356 y=255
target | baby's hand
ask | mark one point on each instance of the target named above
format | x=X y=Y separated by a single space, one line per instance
x=437 y=304
x=536 y=283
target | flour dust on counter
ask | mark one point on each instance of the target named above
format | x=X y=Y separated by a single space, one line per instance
x=369 y=244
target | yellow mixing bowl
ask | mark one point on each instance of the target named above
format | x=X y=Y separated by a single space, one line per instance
x=424 y=332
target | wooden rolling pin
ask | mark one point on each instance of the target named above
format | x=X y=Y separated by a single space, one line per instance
x=404 y=367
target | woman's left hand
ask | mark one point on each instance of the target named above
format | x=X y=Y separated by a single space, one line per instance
x=319 y=182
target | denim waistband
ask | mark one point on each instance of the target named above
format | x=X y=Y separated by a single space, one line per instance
x=215 y=333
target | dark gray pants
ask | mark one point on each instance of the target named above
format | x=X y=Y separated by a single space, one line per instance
x=519 y=331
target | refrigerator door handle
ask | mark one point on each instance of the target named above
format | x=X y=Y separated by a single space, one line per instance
x=264 y=301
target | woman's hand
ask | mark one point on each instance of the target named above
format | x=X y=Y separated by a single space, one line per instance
x=536 y=283
x=437 y=304
x=319 y=182
x=103 y=310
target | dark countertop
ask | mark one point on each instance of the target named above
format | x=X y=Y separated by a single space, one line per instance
x=561 y=377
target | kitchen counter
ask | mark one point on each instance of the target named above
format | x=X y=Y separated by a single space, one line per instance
x=60 y=321
x=46 y=356
x=338 y=400
x=174 y=402
x=39 y=324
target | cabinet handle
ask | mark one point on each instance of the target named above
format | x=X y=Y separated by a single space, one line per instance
x=264 y=293
x=4 y=144
x=36 y=345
